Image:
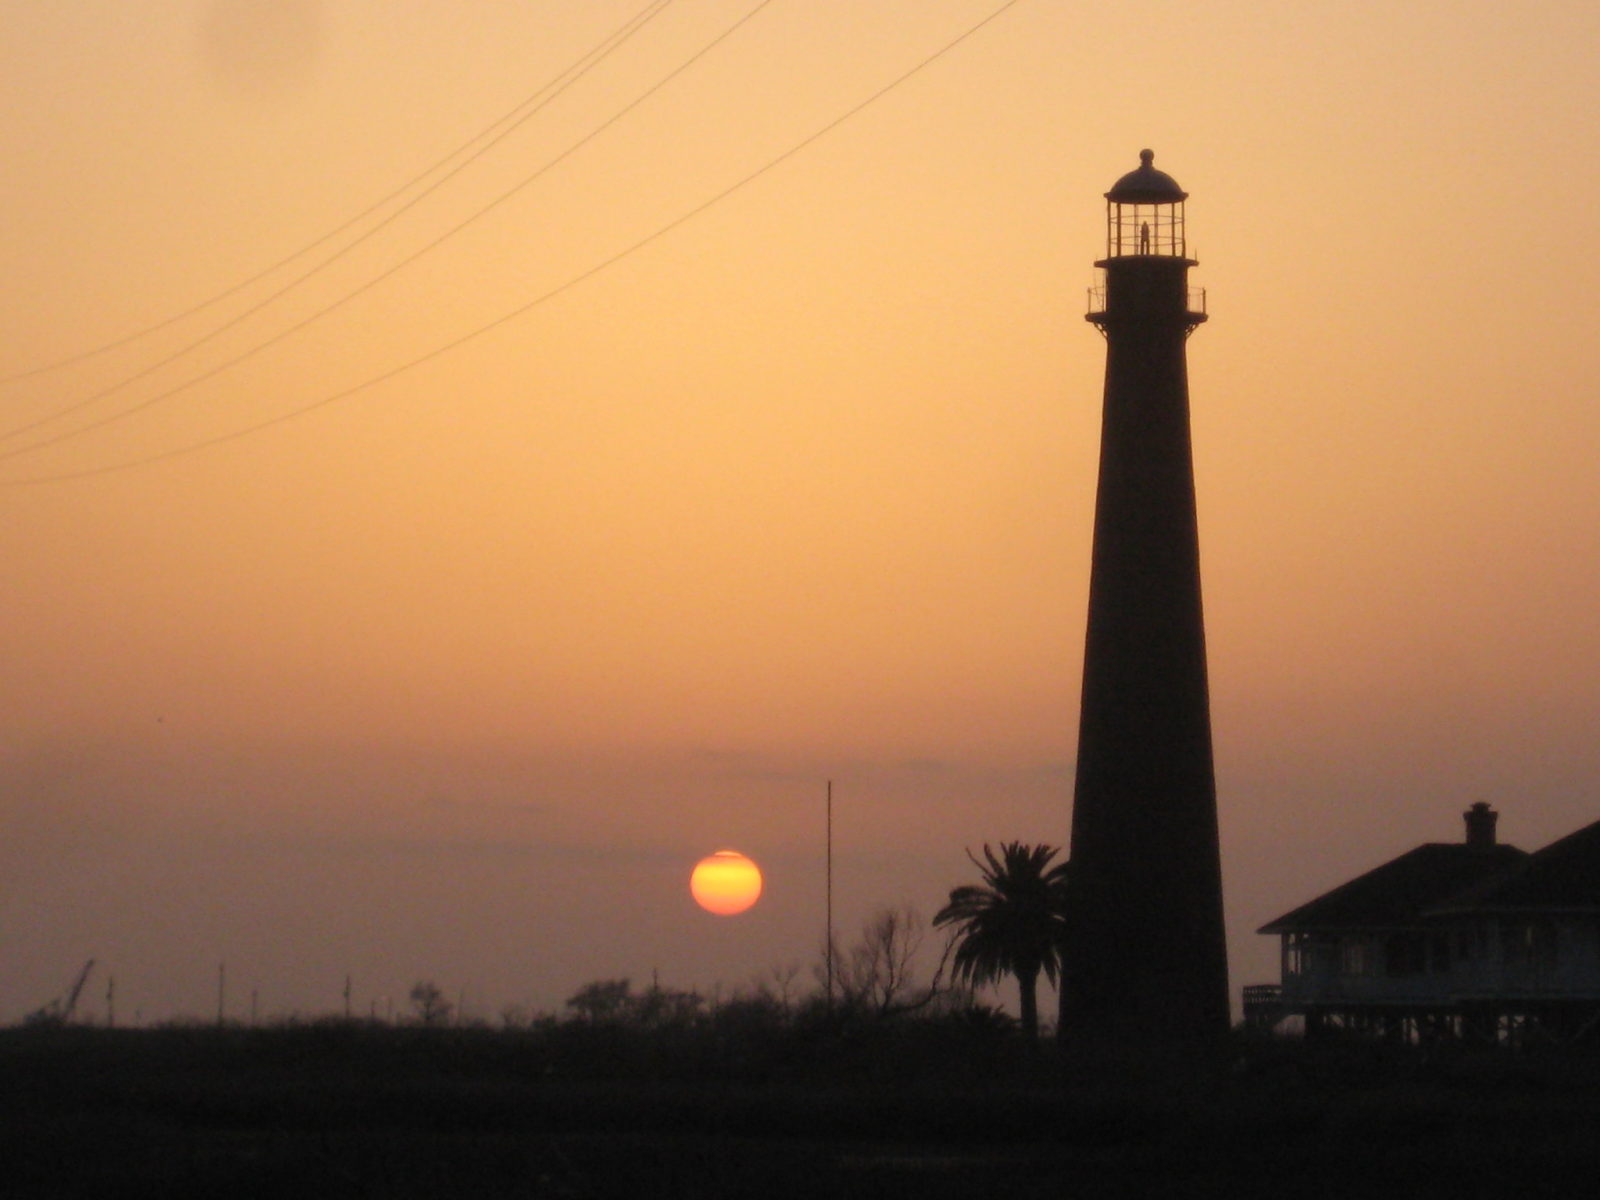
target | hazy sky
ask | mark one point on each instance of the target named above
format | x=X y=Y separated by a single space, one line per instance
x=458 y=675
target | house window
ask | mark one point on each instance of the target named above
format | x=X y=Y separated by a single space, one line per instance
x=1355 y=957
x=1439 y=954
x=1529 y=943
x=1297 y=954
x=1405 y=954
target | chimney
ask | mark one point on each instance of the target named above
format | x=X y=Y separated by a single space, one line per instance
x=1480 y=820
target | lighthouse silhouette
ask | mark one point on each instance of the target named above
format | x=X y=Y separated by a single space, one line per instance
x=1146 y=957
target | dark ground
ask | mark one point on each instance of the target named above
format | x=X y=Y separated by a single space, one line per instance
x=337 y=1110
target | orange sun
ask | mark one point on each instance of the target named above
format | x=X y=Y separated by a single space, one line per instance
x=725 y=883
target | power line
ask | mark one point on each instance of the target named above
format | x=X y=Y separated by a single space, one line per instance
x=554 y=88
x=511 y=120
x=228 y=364
x=569 y=284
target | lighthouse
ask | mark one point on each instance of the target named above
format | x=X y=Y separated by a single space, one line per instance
x=1146 y=957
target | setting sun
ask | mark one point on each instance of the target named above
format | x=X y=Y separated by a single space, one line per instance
x=725 y=883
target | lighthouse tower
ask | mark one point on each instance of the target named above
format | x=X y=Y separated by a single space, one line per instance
x=1146 y=955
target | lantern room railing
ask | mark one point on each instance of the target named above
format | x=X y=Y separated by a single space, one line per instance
x=1142 y=229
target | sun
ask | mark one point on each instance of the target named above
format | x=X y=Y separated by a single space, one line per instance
x=725 y=883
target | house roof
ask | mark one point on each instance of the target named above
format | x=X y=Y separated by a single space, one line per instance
x=1400 y=891
x=1564 y=875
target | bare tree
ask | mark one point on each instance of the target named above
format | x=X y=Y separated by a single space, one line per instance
x=602 y=1000
x=516 y=1017
x=661 y=1006
x=428 y=999
x=878 y=975
x=778 y=983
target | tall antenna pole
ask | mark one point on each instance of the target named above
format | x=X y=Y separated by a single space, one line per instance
x=829 y=951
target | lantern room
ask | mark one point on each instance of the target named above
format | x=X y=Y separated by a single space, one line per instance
x=1144 y=214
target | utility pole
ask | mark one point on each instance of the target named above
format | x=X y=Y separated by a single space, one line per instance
x=828 y=951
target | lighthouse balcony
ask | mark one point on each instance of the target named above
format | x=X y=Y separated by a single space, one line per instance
x=1195 y=301
x=1193 y=312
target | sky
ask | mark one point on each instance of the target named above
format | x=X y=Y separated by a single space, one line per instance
x=426 y=610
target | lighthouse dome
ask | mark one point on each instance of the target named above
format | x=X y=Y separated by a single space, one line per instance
x=1147 y=185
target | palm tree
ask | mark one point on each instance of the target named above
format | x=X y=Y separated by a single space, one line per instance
x=1012 y=924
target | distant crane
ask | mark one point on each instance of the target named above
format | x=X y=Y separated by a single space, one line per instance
x=59 y=1011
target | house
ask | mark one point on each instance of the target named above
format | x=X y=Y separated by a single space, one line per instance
x=1470 y=940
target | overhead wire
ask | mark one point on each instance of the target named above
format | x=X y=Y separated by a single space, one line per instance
x=522 y=310
x=549 y=93
x=229 y=363
x=513 y=119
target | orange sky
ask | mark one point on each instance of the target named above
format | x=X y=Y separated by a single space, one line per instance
x=459 y=676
